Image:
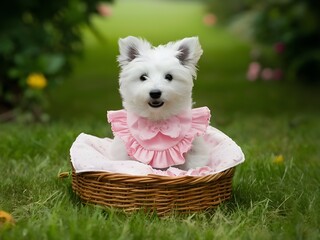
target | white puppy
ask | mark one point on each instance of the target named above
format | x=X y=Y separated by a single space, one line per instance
x=156 y=84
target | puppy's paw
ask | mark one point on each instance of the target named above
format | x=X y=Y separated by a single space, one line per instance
x=198 y=156
x=118 y=150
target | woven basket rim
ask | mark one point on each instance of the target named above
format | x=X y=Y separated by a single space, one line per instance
x=100 y=175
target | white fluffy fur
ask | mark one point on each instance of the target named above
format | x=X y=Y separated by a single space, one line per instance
x=138 y=57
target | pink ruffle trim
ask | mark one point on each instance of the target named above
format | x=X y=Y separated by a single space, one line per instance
x=159 y=158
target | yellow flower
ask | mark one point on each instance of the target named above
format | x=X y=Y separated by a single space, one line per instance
x=37 y=81
x=6 y=219
x=278 y=159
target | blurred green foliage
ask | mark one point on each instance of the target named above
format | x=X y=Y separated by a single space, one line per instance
x=285 y=34
x=38 y=37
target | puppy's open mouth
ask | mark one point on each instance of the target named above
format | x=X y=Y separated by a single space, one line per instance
x=155 y=104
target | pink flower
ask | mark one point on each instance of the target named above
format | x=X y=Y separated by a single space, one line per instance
x=279 y=47
x=210 y=19
x=253 y=71
x=267 y=74
x=104 y=10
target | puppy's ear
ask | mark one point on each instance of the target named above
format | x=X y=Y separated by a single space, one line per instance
x=130 y=48
x=189 y=51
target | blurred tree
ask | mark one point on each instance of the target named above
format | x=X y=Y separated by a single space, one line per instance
x=292 y=29
x=285 y=35
x=38 y=40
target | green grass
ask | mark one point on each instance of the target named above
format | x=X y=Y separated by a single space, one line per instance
x=270 y=201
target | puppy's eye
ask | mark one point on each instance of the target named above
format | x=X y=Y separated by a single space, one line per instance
x=168 y=77
x=143 y=77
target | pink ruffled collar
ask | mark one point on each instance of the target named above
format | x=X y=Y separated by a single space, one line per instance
x=160 y=144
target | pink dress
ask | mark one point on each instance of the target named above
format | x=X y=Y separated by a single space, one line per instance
x=160 y=144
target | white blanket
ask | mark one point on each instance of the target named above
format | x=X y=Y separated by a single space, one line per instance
x=90 y=154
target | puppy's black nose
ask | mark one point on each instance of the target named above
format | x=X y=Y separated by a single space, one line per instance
x=155 y=94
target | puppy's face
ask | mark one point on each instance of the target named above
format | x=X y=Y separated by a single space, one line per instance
x=157 y=82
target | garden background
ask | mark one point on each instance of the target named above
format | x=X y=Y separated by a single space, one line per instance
x=258 y=75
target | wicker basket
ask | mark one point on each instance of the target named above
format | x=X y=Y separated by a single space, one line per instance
x=161 y=194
